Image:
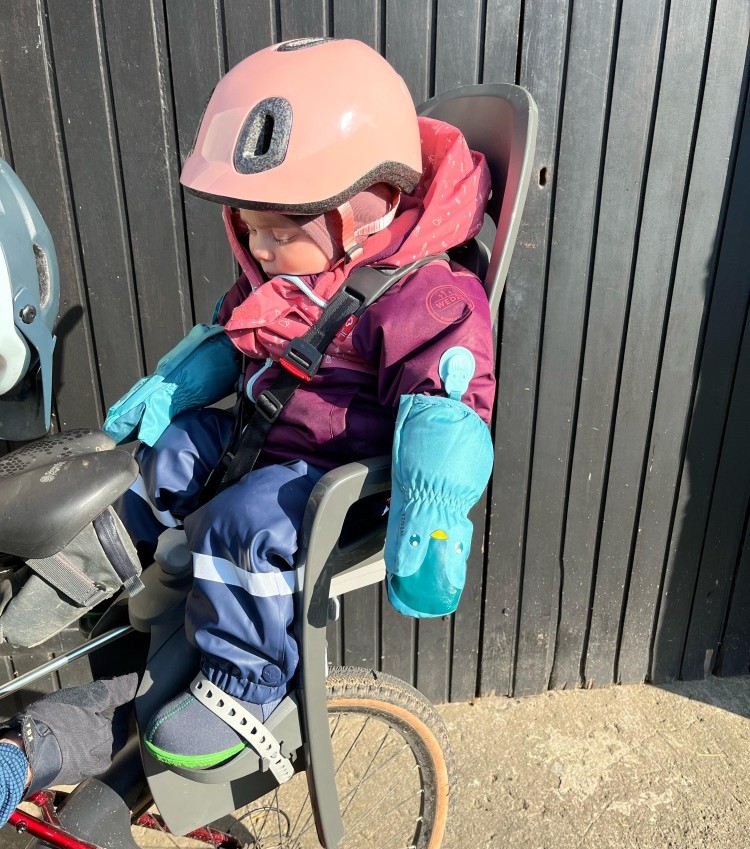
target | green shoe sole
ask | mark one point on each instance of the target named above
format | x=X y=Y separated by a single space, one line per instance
x=193 y=761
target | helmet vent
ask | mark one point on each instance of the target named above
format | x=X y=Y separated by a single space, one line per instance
x=263 y=142
x=264 y=139
x=42 y=272
x=301 y=43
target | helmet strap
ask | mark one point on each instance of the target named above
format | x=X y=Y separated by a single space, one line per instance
x=351 y=246
x=352 y=240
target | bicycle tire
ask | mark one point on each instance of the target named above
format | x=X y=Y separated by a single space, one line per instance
x=387 y=737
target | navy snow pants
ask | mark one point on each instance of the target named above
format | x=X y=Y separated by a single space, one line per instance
x=240 y=610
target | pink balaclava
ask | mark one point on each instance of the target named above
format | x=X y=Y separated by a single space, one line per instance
x=372 y=210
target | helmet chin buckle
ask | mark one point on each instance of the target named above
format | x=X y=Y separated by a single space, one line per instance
x=352 y=252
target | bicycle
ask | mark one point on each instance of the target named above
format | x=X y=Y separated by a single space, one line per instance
x=389 y=755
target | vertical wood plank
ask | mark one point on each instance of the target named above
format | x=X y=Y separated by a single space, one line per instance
x=408 y=44
x=26 y=661
x=544 y=39
x=361 y=629
x=408 y=47
x=576 y=198
x=32 y=116
x=397 y=641
x=433 y=653
x=501 y=34
x=137 y=48
x=734 y=657
x=495 y=59
x=300 y=19
x=78 y=672
x=619 y=208
x=501 y=42
x=467 y=620
x=196 y=52
x=101 y=218
x=333 y=642
x=360 y=19
x=249 y=25
x=726 y=524
x=458 y=43
x=670 y=162
x=692 y=474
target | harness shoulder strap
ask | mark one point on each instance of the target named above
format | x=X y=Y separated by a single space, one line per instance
x=301 y=360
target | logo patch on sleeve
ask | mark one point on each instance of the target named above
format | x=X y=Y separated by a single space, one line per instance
x=448 y=304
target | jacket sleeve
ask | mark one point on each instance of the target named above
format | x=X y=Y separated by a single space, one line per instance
x=408 y=330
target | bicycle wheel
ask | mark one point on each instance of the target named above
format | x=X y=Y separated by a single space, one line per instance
x=393 y=776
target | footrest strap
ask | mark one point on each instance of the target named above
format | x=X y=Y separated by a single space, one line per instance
x=245 y=724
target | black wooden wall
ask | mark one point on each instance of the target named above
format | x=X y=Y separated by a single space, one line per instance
x=616 y=543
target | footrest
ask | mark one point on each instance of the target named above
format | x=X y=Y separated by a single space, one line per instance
x=245 y=724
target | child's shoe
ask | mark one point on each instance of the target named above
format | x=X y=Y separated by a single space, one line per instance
x=186 y=733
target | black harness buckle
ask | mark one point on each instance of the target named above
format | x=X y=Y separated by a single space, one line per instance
x=301 y=359
x=268 y=405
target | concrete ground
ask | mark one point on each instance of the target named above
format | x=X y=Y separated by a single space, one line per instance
x=630 y=766
x=634 y=766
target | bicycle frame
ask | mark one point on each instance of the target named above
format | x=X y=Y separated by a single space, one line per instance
x=327 y=571
x=48 y=828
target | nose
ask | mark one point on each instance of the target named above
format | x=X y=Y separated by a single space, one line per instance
x=262 y=248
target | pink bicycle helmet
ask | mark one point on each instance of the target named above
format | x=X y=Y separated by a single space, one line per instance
x=302 y=126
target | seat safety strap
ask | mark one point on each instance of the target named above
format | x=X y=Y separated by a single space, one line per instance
x=301 y=360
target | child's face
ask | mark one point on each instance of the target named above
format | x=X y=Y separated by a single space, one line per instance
x=281 y=246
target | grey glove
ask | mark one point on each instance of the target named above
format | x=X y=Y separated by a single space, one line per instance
x=72 y=734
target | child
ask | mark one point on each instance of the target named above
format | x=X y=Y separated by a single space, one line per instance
x=315 y=149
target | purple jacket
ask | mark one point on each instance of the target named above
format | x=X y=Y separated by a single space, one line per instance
x=348 y=410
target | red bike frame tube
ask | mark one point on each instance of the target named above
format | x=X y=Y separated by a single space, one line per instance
x=51 y=833
x=25 y=823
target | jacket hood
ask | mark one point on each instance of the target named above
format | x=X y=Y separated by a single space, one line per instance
x=444 y=211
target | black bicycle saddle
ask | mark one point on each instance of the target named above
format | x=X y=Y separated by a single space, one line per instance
x=51 y=489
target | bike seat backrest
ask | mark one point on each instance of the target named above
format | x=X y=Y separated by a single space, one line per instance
x=51 y=489
x=500 y=121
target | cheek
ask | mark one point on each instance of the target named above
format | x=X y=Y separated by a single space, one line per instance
x=306 y=256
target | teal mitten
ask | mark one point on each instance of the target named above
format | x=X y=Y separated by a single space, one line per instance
x=442 y=459
x=200 y=370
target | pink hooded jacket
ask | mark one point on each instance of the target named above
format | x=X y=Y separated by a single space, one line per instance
x=348 y=410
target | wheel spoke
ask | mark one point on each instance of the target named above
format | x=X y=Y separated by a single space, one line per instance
x=369 y=766
x=390 y=811
x=354 y=743
x=378 y=770
x=390 y=843
x=305 y=801
x=367 y=813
